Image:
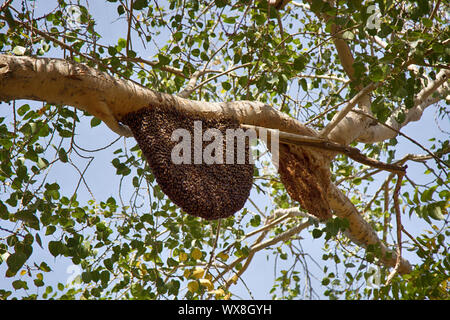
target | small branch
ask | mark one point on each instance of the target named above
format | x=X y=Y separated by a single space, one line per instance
x=190 y=87
x=361 y=232
x=249 y=259
x=399 y=230
x=386 y=213
x=433 y=13
x=441 y=78
x=221 y=74
x=211 y=258
x=16 y=233
x=5 y=5
x=257 y=246
x=267 y=226
x=322 y=76
x=294 y=212
x=169 y=69
x=383 y=187
x=130 y=17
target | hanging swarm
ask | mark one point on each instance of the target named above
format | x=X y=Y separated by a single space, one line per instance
x=210 y=191
x=304 y=180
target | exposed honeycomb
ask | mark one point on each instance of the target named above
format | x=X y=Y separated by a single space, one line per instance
x=305 y=181
x=210 y=191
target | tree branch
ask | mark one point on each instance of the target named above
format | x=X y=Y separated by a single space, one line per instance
x=63 y=82
x=360 y=232
x=341 y=114
x=324 y=144
x=399 y=230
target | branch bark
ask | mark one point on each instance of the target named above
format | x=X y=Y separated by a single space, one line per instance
x=63 y=82
x=345 y=128
x=360 y=232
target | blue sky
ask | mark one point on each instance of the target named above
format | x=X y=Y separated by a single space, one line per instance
x=100 y=174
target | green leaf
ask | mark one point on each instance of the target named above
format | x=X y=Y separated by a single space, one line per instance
x=255 y=221
x=56 y=248
x=19 y=284
x=38 y=240
x=438 y=47
x=317 y=233
x=120 y=10
x=62 y=154
x=4 y=214
x=300 y=63
x=50 y=230
x=230 y=20
x=104 y=277
x=226 y=85
x=220 y=3
x=23 y=109
x=435 y=212
x=95 y=122
x=44 y=267
x=16 y=260
x=112 y=50
x=376 y=74
x=163 y=60
x=140 y=4
x=194 y=52
x=28 y=218
x=304 y=84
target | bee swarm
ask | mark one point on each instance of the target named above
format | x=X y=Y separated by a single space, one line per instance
x=210 y=191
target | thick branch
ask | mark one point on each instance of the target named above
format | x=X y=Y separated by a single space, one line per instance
x=63 y=82
x=346 y=129
x=360 y=232
x=341 y=114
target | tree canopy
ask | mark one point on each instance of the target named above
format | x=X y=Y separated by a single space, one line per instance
x=341 y=81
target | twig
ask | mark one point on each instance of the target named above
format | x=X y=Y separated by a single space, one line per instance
x=323 y=76
x=221 y=74
x=399 y=229
x=190 y=87
x=386 y=209
x=403 y=135
x=5 y=5
x=433 y=13
x=211 y=258
x=249 y=259
x=16 y=233
x=383 y=186
x=130 y=16
x=257 y=246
